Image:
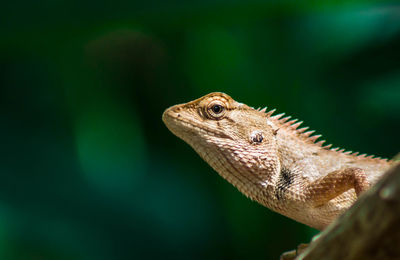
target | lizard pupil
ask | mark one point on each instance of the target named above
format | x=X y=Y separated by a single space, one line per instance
x=217 y=109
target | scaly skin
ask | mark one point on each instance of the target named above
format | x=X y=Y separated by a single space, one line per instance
x=271 y=161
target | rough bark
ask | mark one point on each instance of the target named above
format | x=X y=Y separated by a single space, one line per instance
x=370 y=229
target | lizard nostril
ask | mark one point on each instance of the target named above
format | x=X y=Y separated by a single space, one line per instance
x=176 y=109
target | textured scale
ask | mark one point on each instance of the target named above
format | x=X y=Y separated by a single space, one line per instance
x=272 y=161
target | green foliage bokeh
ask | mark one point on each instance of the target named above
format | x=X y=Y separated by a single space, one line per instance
x=89 y=171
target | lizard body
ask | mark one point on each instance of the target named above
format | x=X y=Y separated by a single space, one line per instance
x=270 y=160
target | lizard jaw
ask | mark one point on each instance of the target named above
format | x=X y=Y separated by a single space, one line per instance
x=182 y=127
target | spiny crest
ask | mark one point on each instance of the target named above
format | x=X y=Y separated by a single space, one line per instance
x=307 y=136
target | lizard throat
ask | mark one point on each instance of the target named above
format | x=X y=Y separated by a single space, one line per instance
x=245 y=182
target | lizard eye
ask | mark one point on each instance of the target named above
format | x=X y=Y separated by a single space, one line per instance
x=216 y=109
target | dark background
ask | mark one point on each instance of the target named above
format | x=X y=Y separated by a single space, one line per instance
x=89 y=171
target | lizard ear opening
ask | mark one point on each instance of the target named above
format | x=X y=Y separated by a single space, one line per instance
x=256 y=137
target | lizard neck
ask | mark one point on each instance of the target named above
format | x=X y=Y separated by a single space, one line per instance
x=313 y=160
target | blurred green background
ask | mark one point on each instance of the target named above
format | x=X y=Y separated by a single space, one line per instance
x=89 y=171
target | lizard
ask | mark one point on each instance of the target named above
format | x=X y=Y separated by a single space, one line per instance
x=272 y=161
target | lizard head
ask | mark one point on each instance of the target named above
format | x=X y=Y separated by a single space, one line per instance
x=235 y=139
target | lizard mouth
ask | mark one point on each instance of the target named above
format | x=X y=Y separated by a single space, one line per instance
x=181 y=126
